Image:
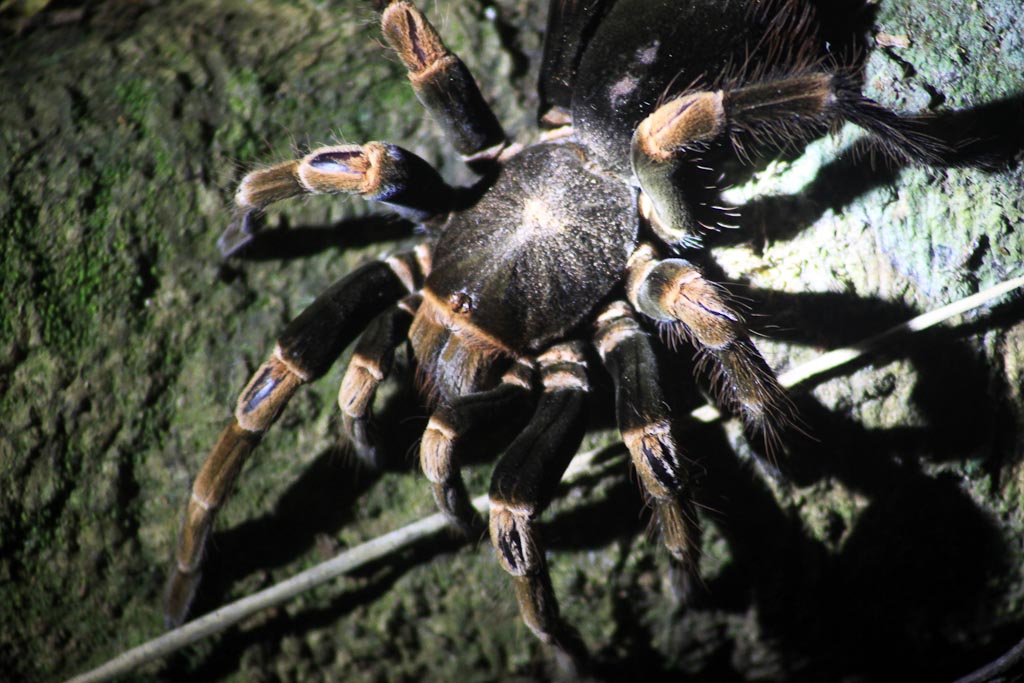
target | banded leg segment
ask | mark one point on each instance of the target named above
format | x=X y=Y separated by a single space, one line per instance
x=522 y=486
x=675 y=293
x=371 y=363
x=662 y=141
x=442 y=83
x=645 y=424
x=451 y=422
x=776 y=111
x=258 y=406
x=377 y=171
x=305 y=350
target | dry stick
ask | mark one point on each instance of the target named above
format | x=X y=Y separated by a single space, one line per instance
x=230 y=614
x=997 y=669
x=427 y=527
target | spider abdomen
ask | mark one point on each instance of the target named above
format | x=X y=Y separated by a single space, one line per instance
x=540 y=249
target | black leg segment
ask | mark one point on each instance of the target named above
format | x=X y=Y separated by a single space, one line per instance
x=465 y=415
x=570 y=25
x=645 y=423
x=523 y=484
x=442 y=83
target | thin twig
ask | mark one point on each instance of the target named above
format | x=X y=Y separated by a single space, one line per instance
x=998 y=670
x=341 y=564
x=425 y=528
x=231 y=614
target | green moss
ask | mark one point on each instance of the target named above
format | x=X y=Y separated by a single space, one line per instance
x=134 y=99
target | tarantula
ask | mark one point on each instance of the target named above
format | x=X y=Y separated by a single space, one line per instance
x=572 y=244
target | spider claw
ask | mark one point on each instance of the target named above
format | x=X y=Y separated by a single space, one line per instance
x=684 y=584
x=178 y=597
x=238 y=234
x=362 y=444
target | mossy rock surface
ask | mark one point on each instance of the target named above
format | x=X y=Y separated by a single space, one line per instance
x=889 y=548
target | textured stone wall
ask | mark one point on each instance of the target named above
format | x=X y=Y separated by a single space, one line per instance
x=894 y=535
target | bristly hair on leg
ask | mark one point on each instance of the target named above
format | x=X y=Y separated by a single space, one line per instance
x=790 y=43
x=790 y=64
x=902 y=138
x=743 y=383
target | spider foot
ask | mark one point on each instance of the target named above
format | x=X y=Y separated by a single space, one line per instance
x=685 y=584
x=238 y=234
x=453 y=500
x=363 y=445
x=371 y=363
x=536 y=600
x=178 y=595
x=515 y=538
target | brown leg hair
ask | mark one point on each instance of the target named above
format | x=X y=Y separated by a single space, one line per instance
x=674 y=293
x=376 y=171
x=775 y=110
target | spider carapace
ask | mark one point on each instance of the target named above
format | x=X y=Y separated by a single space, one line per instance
x=575 y=243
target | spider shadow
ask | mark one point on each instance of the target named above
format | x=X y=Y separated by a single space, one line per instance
x=923 y=564
x=896 y=595
x=921 y=556
x=987 y=137
x=953 y=387
x=282 y=241
x=364 y=586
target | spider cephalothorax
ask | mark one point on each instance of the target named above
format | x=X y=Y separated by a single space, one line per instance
x=572 y=242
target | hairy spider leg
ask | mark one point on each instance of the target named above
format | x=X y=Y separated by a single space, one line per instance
x=570 y=26
x=662 y=141
x=443 y=84
x=645 y=423
x=774 y=110
x=371 y=363
x=453 y=421
x=674 y=293
x=377 y=171
x=306 y=349
x=524 y=482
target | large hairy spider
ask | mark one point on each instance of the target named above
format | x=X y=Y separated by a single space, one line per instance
x=570 y=249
